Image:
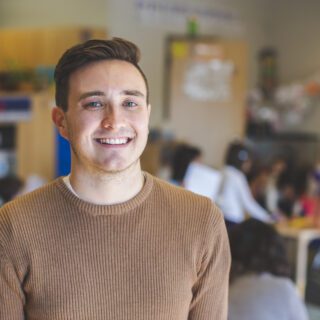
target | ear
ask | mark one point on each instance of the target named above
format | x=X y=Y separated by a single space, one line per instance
x=59 y=118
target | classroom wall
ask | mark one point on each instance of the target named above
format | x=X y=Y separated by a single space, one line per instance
x=34 y=13
x=294 y=32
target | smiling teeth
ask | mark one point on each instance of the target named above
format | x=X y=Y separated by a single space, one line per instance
x=114 y=141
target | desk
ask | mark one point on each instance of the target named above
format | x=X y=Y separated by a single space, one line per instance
x=303 y=236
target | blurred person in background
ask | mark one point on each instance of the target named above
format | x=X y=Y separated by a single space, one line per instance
x=287 y=195
x=183 y=155
x=260 y=287
x=10 y=187
x=32 y=182
x=314 y=190
x=258 y=180
x=234 y=197
x=278 y=166
x=306 y=192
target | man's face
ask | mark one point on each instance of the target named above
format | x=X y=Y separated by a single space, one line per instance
x=107 y=118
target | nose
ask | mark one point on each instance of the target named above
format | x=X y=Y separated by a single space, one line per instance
x=112 y=118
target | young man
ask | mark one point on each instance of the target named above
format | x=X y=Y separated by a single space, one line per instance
x=110 y=241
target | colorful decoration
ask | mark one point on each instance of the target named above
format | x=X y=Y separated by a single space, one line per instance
x=289 y=106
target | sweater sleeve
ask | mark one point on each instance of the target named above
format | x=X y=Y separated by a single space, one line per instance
x=11 y=293
x=210 y=292
x=11 y=297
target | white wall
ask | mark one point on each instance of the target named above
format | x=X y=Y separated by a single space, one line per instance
x=33 y=13
x=295 y=33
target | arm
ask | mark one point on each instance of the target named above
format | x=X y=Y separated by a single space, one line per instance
x=11 y=294
x=271 y=199
x=249 y=203
x=210 y=291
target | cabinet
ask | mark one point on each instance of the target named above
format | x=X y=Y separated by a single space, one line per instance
x=29 y=48
x=35 y=140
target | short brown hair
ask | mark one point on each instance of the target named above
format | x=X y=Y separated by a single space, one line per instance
x=90 y=51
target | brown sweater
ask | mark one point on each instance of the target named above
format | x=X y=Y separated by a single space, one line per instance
x=162 y=255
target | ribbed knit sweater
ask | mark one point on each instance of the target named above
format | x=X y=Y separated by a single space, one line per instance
x=164 y=254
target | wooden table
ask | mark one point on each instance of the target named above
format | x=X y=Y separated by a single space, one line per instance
x=303 y=236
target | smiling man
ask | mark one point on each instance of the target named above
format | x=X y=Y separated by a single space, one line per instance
x=110 y=241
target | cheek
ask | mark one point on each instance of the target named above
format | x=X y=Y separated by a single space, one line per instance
x=78 y=127
x=142 y=122
x=143 y=129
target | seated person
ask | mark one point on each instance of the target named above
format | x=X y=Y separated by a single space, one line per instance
x=183 y=155
x=10 y=186
x=258 y=180
x=307 y=189
x=279 y=165
x=287 y=195
x=235 y=198
x=260 y=287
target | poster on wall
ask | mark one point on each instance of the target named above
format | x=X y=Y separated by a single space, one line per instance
x=208 y=79
x=14 y=109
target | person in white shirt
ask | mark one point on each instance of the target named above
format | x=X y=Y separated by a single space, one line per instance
x=278 y=166
x=234 y=197
x=260 y=287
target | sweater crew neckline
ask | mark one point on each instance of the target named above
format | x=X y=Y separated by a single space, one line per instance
x=112 y=209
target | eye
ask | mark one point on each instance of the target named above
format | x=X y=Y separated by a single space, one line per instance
x=130 y=104
x=93 y=105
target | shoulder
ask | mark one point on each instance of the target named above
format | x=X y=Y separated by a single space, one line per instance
x=30 y=204
x=265 y=284
x=234 y=173
x=196 y=216
x=286 y=292
x=24 y=216
x=281 y=283
x=286 y=286
x=186 y=206
x=176 y=195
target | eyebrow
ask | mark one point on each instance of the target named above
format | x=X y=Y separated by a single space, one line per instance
x=135 y=93
x=91 y=94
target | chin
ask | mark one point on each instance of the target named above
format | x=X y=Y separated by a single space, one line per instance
x=119 y=167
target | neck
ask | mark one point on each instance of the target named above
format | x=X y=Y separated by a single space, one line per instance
x=107 y=188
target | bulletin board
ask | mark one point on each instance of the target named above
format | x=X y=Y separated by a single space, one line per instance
x=205 y=87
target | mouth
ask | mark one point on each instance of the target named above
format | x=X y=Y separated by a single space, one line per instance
x=114 y=141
